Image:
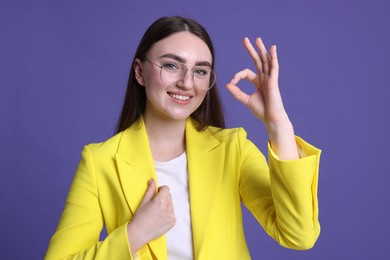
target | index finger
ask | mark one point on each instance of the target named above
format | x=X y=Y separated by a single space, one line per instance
x=163 y=189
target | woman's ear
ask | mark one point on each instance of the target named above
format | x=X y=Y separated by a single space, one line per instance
x=139 y=72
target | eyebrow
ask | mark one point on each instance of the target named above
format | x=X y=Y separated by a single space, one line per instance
x=182 y=60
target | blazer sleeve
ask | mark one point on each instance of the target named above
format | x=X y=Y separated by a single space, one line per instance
x=282 y=196
x=78 y=231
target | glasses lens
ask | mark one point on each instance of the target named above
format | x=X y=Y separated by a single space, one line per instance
x=203 y=76
x=170 y=74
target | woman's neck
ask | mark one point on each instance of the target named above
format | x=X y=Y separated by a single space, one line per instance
x=166 y=137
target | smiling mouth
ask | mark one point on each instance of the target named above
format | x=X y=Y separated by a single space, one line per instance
x=179 y=97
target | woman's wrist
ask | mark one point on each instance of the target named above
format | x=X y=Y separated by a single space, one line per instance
x=134 y=241
x=282 y=139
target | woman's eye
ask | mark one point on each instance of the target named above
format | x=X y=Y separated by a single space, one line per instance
x=201 y=72
x=171 y=66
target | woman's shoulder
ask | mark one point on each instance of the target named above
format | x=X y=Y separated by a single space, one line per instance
x=227 y=134
x=109 y=146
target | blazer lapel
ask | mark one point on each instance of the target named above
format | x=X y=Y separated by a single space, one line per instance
x=135 y=169
x=205 y=156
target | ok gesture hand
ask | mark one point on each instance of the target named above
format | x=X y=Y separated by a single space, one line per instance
x=266 y=102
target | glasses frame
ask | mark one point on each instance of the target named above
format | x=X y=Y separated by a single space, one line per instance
x=186 y=70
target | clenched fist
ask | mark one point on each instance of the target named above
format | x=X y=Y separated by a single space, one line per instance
x=154 y=217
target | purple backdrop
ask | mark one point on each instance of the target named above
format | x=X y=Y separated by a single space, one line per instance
x=64 y=67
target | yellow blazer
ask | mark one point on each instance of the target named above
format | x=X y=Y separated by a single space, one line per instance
x=225 y=169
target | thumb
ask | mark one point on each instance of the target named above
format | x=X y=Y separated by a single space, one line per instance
x=149 y=192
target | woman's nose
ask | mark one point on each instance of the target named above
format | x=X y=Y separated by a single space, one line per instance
x=186 y=80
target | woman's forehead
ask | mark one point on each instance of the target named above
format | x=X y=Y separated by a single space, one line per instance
x=185 y=45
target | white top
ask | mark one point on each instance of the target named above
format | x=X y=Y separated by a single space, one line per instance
x=174 y=174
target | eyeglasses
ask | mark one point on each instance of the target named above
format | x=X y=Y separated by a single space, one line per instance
x=204 y=77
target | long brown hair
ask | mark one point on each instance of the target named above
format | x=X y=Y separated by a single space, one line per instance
x=209 y=113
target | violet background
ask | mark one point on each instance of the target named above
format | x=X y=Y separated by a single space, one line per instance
x=63 y=72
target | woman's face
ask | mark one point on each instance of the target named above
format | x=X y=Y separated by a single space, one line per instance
x=176 y=101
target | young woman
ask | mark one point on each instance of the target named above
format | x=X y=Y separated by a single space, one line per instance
x=170 y=183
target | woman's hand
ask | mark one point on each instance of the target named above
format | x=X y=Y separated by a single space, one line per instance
x=266 y=102
x=154 y=217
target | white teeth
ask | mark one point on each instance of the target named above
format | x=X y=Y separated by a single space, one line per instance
x=179 y=97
